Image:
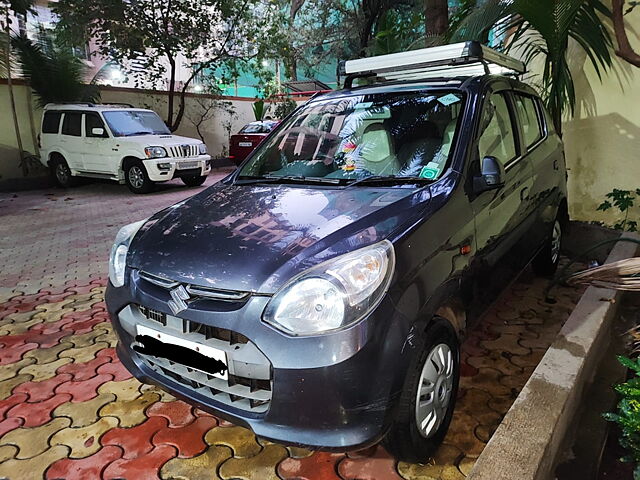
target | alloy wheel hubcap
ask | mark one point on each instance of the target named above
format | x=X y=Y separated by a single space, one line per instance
x=136 y=177
x=556 y=237
x=62 y=173
x=434 y=390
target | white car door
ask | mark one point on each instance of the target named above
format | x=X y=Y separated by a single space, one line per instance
x=98 y=155
x=71 y=142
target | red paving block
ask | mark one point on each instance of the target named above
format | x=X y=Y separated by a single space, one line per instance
x=135 y=441
x=14 y=354
x=42 y=390
x=189 y=440
x=84 y=326
x=178 y=413
x=11 y=401
x=84 y=390
x=319 y=466
x=10 y=424
x=146 y=467
x=376 y=464
x=85 y=468
x=37 y=414
x=48 y=328
x=83 y=371
x=109 y=353
x=116 y=369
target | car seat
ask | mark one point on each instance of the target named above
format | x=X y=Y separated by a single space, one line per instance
x=377 y=154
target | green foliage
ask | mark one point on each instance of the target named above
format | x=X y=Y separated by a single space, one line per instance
x=54 y=74
x=543 y=28
x=397 y=31
x=284 y=107
x=623 y=201
x=628 y=414
x=259 y=109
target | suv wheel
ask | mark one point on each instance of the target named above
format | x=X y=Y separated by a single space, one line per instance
x=137 y=179
x=194 y=180
x=546 y=261
x=428 y=398
x=62 y=173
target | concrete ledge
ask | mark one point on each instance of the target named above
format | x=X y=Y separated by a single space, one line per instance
x=527 y=442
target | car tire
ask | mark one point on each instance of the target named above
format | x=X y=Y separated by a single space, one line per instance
x=137 y=179
x=419 y=428
x=194 y=181
x=545 y=263
x=62 y=173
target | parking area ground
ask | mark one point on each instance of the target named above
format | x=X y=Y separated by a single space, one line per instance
x=68 y=409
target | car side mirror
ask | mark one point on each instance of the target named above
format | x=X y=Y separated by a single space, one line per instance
x=491 y=175
x=97 y=132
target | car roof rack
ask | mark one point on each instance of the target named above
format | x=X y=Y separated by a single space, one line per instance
x=463 y=59
x=88 y=104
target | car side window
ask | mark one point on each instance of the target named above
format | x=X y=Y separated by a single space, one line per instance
x=51 y=122
x=93 y=120
x=496 y=136
x=529 y=119
x=72 y=124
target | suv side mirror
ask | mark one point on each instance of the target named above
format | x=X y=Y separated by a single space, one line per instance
x=97 y=132
x=491 y=176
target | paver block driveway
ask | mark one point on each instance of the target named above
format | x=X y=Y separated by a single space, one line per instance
x=68 y=409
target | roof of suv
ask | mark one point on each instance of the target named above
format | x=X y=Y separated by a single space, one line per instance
x=97 y=107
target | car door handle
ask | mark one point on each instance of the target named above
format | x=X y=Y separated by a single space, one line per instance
x=555 y=164
x=524 y=194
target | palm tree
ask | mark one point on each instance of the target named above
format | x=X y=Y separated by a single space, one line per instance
x=544 y=28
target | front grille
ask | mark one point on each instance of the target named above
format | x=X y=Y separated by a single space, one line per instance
x=249 y=375
x=178 y=151
x=194 y=290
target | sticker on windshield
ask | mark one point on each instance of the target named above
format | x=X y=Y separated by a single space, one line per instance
x=430 y=171
x=449 y=99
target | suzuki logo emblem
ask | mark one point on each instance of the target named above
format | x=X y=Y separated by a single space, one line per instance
x=178 y=296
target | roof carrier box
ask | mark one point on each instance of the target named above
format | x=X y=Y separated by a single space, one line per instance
x=463 y=59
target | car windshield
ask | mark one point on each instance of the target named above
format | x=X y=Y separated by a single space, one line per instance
x=131 y=123
x=382 y=136
x=258 y=127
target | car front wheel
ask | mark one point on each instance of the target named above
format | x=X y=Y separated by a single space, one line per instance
x=194 y=181
x=137 y=179
x=426 y=405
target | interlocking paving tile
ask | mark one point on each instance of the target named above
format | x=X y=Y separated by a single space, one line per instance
x=129 y=412
x=10 y=402
x=87 y=468
x=202 y=467
x=84 y=413
x=45 y=371
x=262 y=466
x=189 y=440
x=85 y=390
x=7 y=452
x=47 y=355
x=241 y=440
x=41 y=390
x=116 y=370
x=83 y=354
x=34 y=467
x=178 y=413
x=16 y=353
x=33 y=441
x=10 y=370
x=84 y=441
x=377 y=464
x=34 y=417
x=135 y=441
x=84 y=371
x=146 y=467
x=442 y=466
x=319 y=466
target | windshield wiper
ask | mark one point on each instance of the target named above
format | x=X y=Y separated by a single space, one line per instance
x=288 y=179
x=133 y=134
x=389 y=179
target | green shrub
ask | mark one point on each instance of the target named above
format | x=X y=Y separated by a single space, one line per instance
x=628 y=415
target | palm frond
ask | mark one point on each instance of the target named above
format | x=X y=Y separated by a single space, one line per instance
x=480 y=20
x=621 y=275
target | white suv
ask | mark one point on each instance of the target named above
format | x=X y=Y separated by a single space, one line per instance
x=118 y=142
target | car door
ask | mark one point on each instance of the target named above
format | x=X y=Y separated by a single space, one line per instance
x=71 y=142
x=544 y=151
x=501 y=215
x=98 y=153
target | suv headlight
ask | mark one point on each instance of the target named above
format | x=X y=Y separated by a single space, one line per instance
x=203 y=149
x=155 y=152
x=118 y=257
x=334 y=294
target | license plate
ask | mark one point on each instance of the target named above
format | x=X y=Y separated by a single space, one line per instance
x=245 y=144
x=185 y=165
x=205 y=350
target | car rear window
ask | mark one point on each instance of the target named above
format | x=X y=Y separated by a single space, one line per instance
x=51 y=122
x=261 y=127
x=529 y=119
x=72 y=124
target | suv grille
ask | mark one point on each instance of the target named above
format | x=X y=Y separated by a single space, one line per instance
x=249 y=378
x=180 y=151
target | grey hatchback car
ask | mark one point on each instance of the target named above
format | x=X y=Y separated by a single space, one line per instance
x=318 y=295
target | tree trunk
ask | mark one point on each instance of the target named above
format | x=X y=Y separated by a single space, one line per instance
x=12 y=99
x=625 y=50
x=292 y=62
x=32 y=123
x=172 y=92
x=436 y=15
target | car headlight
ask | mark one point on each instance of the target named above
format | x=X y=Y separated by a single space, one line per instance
x=203 y=149
x=155 y=152
x=334 y=294
x=118 y=257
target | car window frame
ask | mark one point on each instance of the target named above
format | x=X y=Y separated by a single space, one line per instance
x=542 y=125
x=60 y=118
x=87 y=132
x=64 y=117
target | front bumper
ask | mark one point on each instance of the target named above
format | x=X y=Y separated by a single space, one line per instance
x=333 y=392
x=163 y=169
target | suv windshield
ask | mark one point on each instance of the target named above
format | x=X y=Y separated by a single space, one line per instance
x=394 y=136
x=132 y=123
x=258 y=127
